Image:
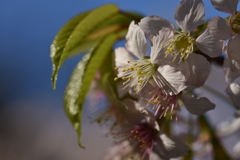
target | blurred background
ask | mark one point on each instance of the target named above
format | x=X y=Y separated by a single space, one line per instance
x=33 y=125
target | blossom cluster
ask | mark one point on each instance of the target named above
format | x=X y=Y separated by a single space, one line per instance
x=153 y=87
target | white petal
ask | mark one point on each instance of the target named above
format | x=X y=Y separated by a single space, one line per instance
x=191 y=68
x=118 y=151
x=209 y=45
x=122 y=56
x=229 y=75
x=228 y=127
x=189 y=14
x=233 y=90
x=233 y=51
x=196 y=105
x=136 y=41
x=219 y=28
x=157 y=51
x=170 y=80
x=227 y=6
x=151 y=25
x=167 y=147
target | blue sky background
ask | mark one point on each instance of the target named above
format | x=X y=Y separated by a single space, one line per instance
x=27 y=28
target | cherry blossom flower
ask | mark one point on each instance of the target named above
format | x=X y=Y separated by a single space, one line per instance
x=142 y=138
x=137 y=73
x=223 y=29
x=188 y=15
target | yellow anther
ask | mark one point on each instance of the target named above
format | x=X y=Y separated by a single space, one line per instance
x=154 y=102
x=116 y=68
x=165 y=114
x=123 y=78
x=128 y=61
x=124 y=83
x=116 y=78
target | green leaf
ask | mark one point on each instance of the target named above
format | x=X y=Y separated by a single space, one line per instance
x=117 y=22
x=81 y=79
x=62 y=37
x=71 y=95
x=83 y=28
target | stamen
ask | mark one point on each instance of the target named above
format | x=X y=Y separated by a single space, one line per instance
x=162 y=104
x=181 y=45
x=137 y=73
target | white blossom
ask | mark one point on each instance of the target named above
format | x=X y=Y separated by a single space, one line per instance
x=228 y=30
x=137 y=72
x=143 y=138
x=188 y=15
